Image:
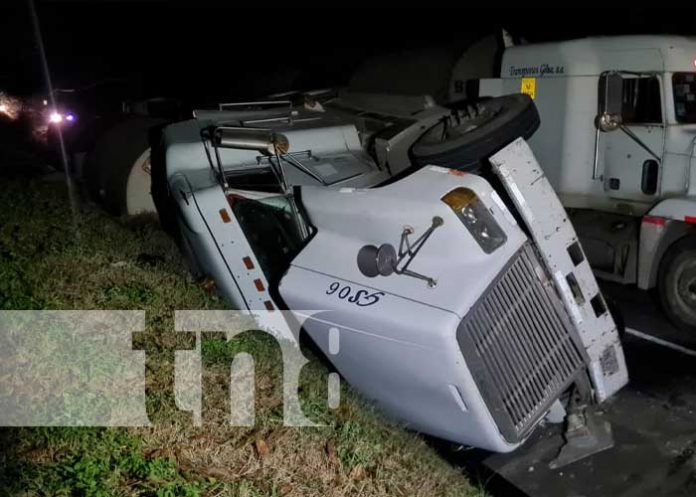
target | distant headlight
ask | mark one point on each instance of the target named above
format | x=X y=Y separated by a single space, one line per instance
x=477 y=218
x=56 y=117
x=10 y=106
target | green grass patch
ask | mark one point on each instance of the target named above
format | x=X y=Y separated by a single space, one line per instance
x=47 y=262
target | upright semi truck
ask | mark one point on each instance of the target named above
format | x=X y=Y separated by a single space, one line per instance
x=616 y=141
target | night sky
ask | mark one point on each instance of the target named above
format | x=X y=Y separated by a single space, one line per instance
x=210 y=53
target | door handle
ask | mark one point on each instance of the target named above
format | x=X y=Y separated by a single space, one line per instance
x=648 y=182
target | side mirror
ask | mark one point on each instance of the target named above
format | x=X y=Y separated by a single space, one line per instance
x=373 y=261
x=610 y=102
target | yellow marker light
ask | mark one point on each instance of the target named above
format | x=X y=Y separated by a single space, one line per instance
x=476 y=218
x=459 y=198
x=224 y=215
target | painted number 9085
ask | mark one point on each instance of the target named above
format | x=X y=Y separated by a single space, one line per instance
x=361 y=297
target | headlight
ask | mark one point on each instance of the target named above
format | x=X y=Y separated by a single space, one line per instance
x=56 y=117
x=477 y=218
x=10 y=106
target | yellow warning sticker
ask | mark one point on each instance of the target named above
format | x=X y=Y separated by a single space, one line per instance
x=528 y=87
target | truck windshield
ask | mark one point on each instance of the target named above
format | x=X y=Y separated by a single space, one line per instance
x=684 y=84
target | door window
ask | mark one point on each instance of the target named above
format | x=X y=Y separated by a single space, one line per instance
x=272 y=228
x=684 y=85
x=641 y=100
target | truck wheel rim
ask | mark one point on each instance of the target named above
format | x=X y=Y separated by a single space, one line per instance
x=686 y=287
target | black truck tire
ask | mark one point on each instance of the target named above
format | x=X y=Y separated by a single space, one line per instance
x=677 y=283
x=114 y=156
x=468 y=137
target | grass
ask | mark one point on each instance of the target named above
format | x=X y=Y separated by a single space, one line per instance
x=107 y=264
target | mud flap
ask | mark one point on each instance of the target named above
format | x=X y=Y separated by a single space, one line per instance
x=586 y=434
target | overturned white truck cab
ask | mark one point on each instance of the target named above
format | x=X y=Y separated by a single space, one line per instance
x=465 y=311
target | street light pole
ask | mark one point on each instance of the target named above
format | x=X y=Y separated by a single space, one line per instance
x=51 y=95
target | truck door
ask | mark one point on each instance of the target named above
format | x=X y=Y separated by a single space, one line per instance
x=630 y=151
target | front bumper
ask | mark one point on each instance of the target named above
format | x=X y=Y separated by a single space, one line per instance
x=559 y=249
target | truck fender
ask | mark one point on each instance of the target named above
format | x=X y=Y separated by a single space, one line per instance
x=667 y=222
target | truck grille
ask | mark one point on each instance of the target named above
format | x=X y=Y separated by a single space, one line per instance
x=520 y=346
